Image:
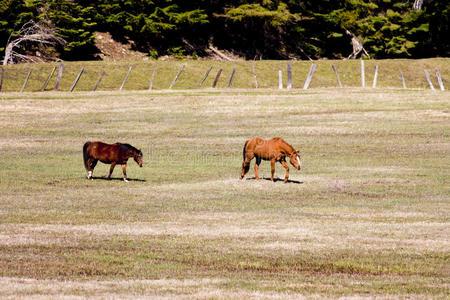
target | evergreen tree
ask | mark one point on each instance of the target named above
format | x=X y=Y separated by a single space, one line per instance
x=436 y=15
x=157 y=25
x=261 y=28
x=13 y=14
x=71 y=21
x=271 y=29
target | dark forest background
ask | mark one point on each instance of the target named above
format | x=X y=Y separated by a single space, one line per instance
x=266 y=29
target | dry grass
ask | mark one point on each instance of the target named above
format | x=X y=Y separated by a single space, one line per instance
x=366 y=217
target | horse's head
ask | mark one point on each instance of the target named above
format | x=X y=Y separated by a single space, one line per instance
x=295 y=160
x=138 y=158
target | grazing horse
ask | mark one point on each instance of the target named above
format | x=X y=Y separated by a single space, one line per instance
x=109 y=154
x=274 y=150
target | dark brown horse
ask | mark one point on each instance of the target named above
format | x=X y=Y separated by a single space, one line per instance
x=109 y=154
x=274 y=150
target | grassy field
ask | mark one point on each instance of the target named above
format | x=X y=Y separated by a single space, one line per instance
x=266 y=74
x=367 y=216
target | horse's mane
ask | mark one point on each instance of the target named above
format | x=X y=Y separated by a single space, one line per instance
x=129 y=147
x=292 y=149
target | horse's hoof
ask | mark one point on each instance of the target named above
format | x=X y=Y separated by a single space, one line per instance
x=126 y=180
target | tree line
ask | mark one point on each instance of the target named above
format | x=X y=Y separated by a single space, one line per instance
x=265 y=29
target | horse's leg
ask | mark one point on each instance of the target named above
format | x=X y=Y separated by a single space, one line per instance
x=272 y=168
x=285 y=165
x=124 y=169
x=257 y=163
x=111 y=169
x=91 y=163
x=246 y=165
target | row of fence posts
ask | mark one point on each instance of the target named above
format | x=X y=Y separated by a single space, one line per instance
x=375 y=77
x=216 y=78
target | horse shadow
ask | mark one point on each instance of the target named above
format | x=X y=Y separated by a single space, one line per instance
x=117 y=179
x=277 y=179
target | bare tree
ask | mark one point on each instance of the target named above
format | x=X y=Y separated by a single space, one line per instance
x=31 y=33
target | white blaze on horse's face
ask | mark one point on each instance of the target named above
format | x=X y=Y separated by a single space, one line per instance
x=299 y=164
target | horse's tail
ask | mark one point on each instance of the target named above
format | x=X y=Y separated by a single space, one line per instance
x=85 y=155
x=247 y=167
x=244 y=150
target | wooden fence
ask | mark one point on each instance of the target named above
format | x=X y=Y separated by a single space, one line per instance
x=289 y=85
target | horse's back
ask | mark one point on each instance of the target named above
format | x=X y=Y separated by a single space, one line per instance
x=258 y=147
x=266 y=149
x=256 y=141
x=102 y=151
x=277 y=140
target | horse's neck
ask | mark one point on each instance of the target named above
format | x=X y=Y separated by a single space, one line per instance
x=128 y=152
x=125 y=149
x=288 y=149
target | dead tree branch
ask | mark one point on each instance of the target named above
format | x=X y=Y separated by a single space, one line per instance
x=219 y=53
x=357 y=46
x=30 y=33
x=418 y=4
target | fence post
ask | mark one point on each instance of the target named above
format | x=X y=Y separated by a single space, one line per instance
x=204 y=77
x=428 y=79
x=76 y=80
x=150 y=87
x=254 y=75
x=375 y=77
x=310 y=75
x=25 y=82
x=363 y=75
x=438 y=75
x=217 y=78
x=403 y=79
x=98 y=82
x=289 y=74
x=231 y=77
x=125 y=78
x=280 y=79
x=176 y=77
x=58 y=76
x=2 y=73
x=48 y=79
x=337 y=75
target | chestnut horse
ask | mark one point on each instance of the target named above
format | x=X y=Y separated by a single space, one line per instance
x=274 y=150
x=109 y=154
